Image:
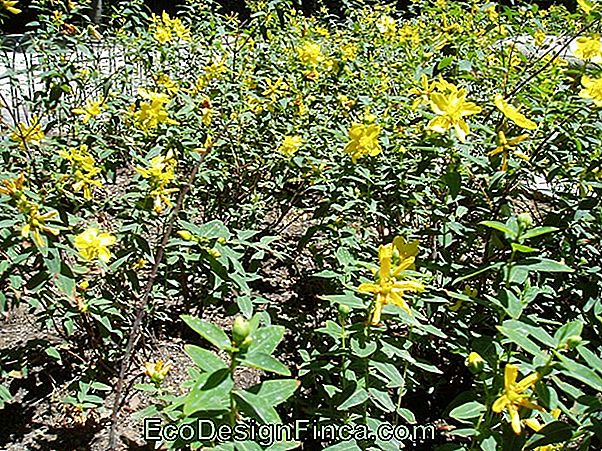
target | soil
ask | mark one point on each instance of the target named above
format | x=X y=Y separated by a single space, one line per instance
x=37 y=419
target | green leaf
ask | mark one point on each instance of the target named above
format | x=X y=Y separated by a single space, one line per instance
x=381 y=399
x=357 y=397
x=54 y=353
x=204 y=359
x=500 y=227
x=362 y=348
x=580 y=372
x=257 y=407
x=266 y=339
x=349 y=445
x=543 y=265
x=568 y=330
x=391 y=374
x=592 y=359
x=265 y=362
x=349 y=299
x=554 y=432
x=524 y=249
x=211 y=392
x=467 y=411
x=277 y=391
x=284 y=446
x=208 y=331
x=537 y=231
x=521 y=340
x=247 y=446
x=4 y=395
x=331 y=328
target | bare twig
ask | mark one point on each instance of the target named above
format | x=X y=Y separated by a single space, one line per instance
x=143 y=302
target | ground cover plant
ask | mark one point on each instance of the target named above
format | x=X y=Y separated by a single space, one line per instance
x=383 y=221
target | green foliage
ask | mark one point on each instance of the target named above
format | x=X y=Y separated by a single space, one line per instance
x=164 y=165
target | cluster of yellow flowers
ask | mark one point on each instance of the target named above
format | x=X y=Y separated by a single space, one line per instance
x=391 y=283
x=164 y=29
x=27 y=135
x=161 y=172
x=84 y=170
x=153 y=112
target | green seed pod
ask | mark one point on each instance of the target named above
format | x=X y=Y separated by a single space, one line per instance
x=525 y=220
x=573 y=341
x=240 y=329
x=344 y=310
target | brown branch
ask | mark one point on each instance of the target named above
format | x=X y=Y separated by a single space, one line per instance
x=144 y=300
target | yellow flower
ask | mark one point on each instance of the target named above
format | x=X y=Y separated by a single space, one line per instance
x=156 y=371
x=25 y=135
x=166 y=83
x=93 y=244
x=492 y=13
x=586 y=6
x=152 y=113
x=505 y=146
x=9 y=5
x=534 y=423
x=363 y=141
x=290 y=145
x=161 y=168
x=593 y=89
x=80 y=157
x=390 y=287
x=161 y=173
x=85 y=181
x=348 y=51
x=275 y=89
x=513 y=114
x=513 y=397
x=589 y=49
x=424 y=91
x=310 y=53
x=92 y=109
x=36 y=224
x=409 y=33
x=12 y=187
x=451 y=109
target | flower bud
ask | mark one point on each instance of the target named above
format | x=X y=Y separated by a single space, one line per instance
x=185 y=235
x=475 y=362
x=344 y=310
x=246 y=343
x=573 y=341
x=525 y=220
x=240 y=329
